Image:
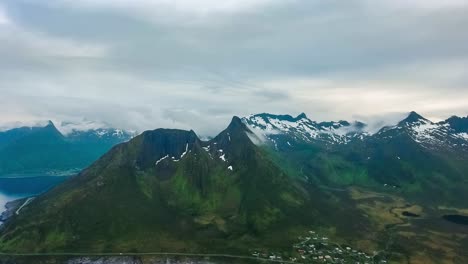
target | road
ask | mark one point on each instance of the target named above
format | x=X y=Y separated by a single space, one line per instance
x=168 y=254
x=24 y=204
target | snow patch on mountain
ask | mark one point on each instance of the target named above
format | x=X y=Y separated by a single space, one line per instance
x=427 y=133
x=424 y=130
x=463 y=135
x=185 y=152
x=301 y=128
x=161 y=159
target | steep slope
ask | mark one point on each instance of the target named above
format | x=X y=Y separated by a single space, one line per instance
x=165 y=190
x=44 y=150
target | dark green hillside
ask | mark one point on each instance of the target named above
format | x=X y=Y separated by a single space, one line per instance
x=166 y=190
x=388 y=160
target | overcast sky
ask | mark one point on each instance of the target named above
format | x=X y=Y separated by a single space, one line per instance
x=141 y=64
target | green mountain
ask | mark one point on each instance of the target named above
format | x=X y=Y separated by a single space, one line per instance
x=44 y=150
x=261 y=185
x=166 y=190
x=416 y=156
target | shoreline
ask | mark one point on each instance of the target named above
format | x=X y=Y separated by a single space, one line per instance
x=12 y=207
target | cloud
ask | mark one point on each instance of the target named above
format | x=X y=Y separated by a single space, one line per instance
x=20 y=45
x=423 y=4
x=3 y=17
x=31 y=45
x=193 y=64
x=200 y=7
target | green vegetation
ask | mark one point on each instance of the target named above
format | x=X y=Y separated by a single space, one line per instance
x=200 y=194
x=166 y=190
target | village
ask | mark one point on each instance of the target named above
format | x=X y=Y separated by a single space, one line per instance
x=316 y=248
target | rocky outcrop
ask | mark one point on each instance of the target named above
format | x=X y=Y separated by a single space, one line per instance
x=11 y=207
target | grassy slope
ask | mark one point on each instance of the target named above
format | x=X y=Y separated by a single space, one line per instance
x=191 y=205
x=418 y=172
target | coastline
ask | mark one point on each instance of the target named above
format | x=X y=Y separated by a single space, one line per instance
x=11 y=207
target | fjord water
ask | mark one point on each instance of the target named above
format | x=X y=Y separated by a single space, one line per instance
x=20 y=186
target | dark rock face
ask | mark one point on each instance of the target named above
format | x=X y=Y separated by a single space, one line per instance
x=458 y=124
x=160 y=142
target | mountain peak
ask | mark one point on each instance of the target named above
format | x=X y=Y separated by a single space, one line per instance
x=456 y=118
x=301 y=116
x=235 y=121
x=412 y=117
x=50 y=124
x=267 y=116
x=289 y=118
x=235 y=127
x=458 y=124
x=51 y=128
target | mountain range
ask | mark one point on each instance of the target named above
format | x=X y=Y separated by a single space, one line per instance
x=416 y=155
x=261 y=183
x=44 y=150
x=451 y=133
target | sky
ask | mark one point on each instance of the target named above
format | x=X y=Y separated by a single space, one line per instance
x=141 y=64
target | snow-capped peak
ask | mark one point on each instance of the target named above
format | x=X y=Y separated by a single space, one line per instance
x=451 y=133
x=301 y=128
x=414 y=118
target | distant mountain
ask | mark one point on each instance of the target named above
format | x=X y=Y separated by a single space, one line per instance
x=163 y=190
x=450 y=134
x=416 y=155
x=281 y=129
x=45 y=150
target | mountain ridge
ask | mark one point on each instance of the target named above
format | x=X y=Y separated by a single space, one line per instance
x=166 y=190
x=225 y=187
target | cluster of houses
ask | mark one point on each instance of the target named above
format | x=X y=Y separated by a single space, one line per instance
x=315 y=248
